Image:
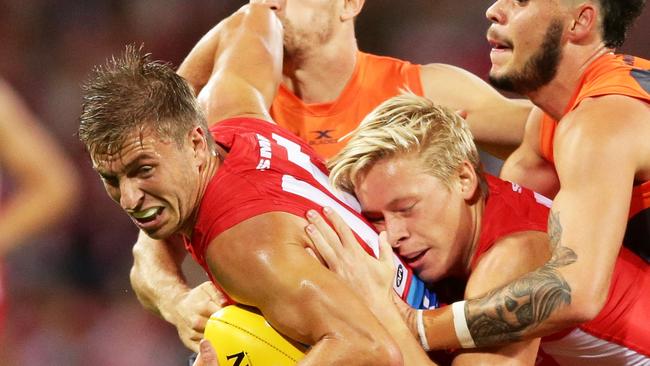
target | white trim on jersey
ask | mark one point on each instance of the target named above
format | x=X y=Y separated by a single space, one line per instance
x=584 y=349
x=304 y=189
x=543 y=200
x=302 y=160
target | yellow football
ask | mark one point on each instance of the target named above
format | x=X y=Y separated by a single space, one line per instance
x=241 y=336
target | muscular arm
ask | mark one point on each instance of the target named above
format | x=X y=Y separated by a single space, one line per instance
x=46 y=181
x=245 y=56
x=160 y=286
x=496 y=122
x=527 y=167
x=597 y=162
x=263 y=262
x=508 y=259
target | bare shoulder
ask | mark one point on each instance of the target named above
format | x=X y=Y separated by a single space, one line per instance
x=268 y=226
x=267 y=247
x=613 y=125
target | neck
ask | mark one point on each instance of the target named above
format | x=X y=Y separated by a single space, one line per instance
x=476 y=215
x=319 y=75
x=205 y=176
x=554 y=97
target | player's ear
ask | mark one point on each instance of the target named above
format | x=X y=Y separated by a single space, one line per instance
x=585 y=18
x=467 y=180
x=198 y=142
x=351 y=8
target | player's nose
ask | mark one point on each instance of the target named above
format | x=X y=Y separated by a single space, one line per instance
x=131 y=196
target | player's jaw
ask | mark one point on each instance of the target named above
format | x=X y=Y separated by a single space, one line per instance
x=501 y=50
x=526 y=69
x=159 y=220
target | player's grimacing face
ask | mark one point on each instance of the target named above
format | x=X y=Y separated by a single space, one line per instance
x=424 y=219
x=153 y=180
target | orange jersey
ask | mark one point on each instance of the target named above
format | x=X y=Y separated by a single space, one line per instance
x=618 y=75
x=375 y=79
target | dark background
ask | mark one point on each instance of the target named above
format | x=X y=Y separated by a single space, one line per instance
x=71 y=302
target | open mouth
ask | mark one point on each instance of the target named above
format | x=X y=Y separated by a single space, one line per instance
x=499 y=46
x=414 y=258
x=147 y=215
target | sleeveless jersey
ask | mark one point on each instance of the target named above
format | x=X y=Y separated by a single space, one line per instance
x=622 y=324
x=268 y=169
x=614 y=75
x=375 y=79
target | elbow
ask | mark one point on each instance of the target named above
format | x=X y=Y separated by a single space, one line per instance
x=587 y=304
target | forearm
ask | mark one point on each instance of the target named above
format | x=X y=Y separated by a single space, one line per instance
x=551 y=298
x=196 y=68
x=156 y=276
x=412 y=352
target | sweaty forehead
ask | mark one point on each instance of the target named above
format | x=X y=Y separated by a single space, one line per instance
x=133 y=146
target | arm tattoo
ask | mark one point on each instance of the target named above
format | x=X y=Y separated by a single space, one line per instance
x=506 y=314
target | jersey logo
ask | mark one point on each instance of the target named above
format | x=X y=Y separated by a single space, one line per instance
x=516 y=187
x=643 y=78
x=323 y=134
x=322 y=137
x=265 y=152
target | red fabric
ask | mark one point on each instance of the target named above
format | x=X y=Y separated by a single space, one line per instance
x=264 y=164
x=625 y=317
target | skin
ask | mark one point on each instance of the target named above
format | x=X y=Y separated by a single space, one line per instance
x=319 y=59
x=207 y=355
x=421 y=215
x=588 y=192
x=591 y=204
x=294 y=292
x=53 y=180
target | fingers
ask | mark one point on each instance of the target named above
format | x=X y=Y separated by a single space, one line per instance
x=207 y=355
x=193 y=312
x=328 y=234
x=342 y=229
x=191 y=342
x=216 y=300
x=325 y=248
x=385 y=250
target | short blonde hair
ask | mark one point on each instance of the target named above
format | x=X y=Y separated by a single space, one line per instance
x=406 y=124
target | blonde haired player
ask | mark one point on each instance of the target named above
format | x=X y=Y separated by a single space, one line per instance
x=413 y=167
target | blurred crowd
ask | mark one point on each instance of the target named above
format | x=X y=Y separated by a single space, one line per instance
x=70 y=298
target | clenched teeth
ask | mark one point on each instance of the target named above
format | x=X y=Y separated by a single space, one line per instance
x=146 y=213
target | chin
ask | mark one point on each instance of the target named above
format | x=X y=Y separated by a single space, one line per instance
x=430 y=277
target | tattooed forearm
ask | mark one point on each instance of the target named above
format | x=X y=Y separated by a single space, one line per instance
x=506 y=314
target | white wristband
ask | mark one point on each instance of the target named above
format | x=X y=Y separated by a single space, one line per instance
x=460 y=325
x=421 y=333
